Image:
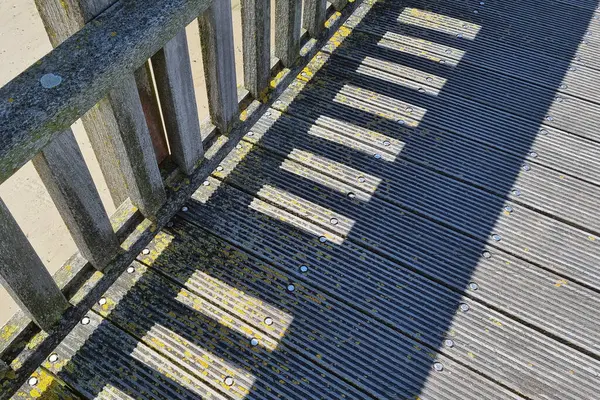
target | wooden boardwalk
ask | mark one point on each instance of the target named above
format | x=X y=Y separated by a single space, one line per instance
x=416 y=217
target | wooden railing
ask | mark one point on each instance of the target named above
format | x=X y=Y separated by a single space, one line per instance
x=99 y=72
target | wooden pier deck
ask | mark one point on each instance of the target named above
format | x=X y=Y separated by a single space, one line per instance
x=414 y=217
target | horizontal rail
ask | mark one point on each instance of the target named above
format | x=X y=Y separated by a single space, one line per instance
x=53 y=93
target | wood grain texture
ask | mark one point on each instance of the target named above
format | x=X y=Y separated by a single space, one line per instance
x=173 y=73
x=111 y=46
x=256 y=42
x=134 y=149
x=314 y=16
x=66 y=177
x=216 y=35
x=339 y=4
x=288 y=14
x=25 y=277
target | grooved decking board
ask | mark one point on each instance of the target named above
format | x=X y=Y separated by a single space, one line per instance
x=204 y=336
x=394 y=295
x=568 y=251
x=101 y=361
x=441 y=22
x=517 y=61
x=45 y=386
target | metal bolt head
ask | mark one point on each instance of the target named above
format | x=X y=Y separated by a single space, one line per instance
x=460 y=35
x=409 y=109
x=85 y=320
x=146 y=251
x=481 y=3
x=475 y=12
x=421 y=90
x=386 y=143
x=558 y=99
x=303 y=268
x=228 y=381
x=429 y=79
x=442 y=61
x=486 y=254
x=102 y=301
x=401 y=122
x=447 y=51
x=516 y=192
x=449 y=343
x=549 y=118
x=563 y=86
x=351 y=195
x=526 y=167
x=334 y=221
x=473 y=286
x=496 y=237
x=377 y=156
x=49 y=81
x=206 y=183
x=219 y=168
x=438 y=366
x=572 y=69
x=250 y=133
x=32 y=381
x=464 y=307
x=291 y=287
x=53 y=358
x=544 y=131
x=361 y=179
x=508 y=209
x=268 y=321
x=254 y=342
x=130 y=269
x=238 y=146
x=184 y=209
x=322 y=239
x=533 y=154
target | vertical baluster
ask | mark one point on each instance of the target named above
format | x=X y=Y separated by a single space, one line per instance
x=25 y=277
x=173 y=73
x=134 y=149
x=62 y=18
x=288 y=15
x=216 y=35
x=65 y=175
x=256 y=37
x=314 y=16
x=339 y=4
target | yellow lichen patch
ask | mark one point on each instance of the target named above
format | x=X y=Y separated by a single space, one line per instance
x=113 y=34
x=8 y=331
x=495 y=321
x=10 y=99
x=592 y=238
x=561 y=282
x=470 y=354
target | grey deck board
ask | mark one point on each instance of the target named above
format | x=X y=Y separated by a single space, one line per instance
x=374 y=186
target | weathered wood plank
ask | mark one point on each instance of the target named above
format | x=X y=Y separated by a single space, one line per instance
x=288 y=15
x=173 y=73
x=339 y=4
x=64 y=173
x=314 y=16
x=81 y=71
x=216 y=35
x=62 y=18
x=25 y=277
x=134 y=150
x=256 y=38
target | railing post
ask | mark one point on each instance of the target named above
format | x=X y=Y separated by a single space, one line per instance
x=64 y=173
x=25 y=277
x=314 y=16
x=288 y=15
x=339 y=4
x=134 y=149
x=216 y=35
x=62 y=18
x=173 y=73
x=256 y=40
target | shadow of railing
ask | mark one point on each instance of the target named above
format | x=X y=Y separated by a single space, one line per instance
x=377 y=225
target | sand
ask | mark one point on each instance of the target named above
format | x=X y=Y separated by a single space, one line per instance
x=23 y=41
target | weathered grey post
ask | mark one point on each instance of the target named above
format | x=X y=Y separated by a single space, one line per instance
x=339 y=4
x=25 y=277
x=173 y=73
x=256 y=38
x=134 y=149
x=288 y=15
x=216 y=35
x=62 y=18
x=314 y=16
x=64 y=172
